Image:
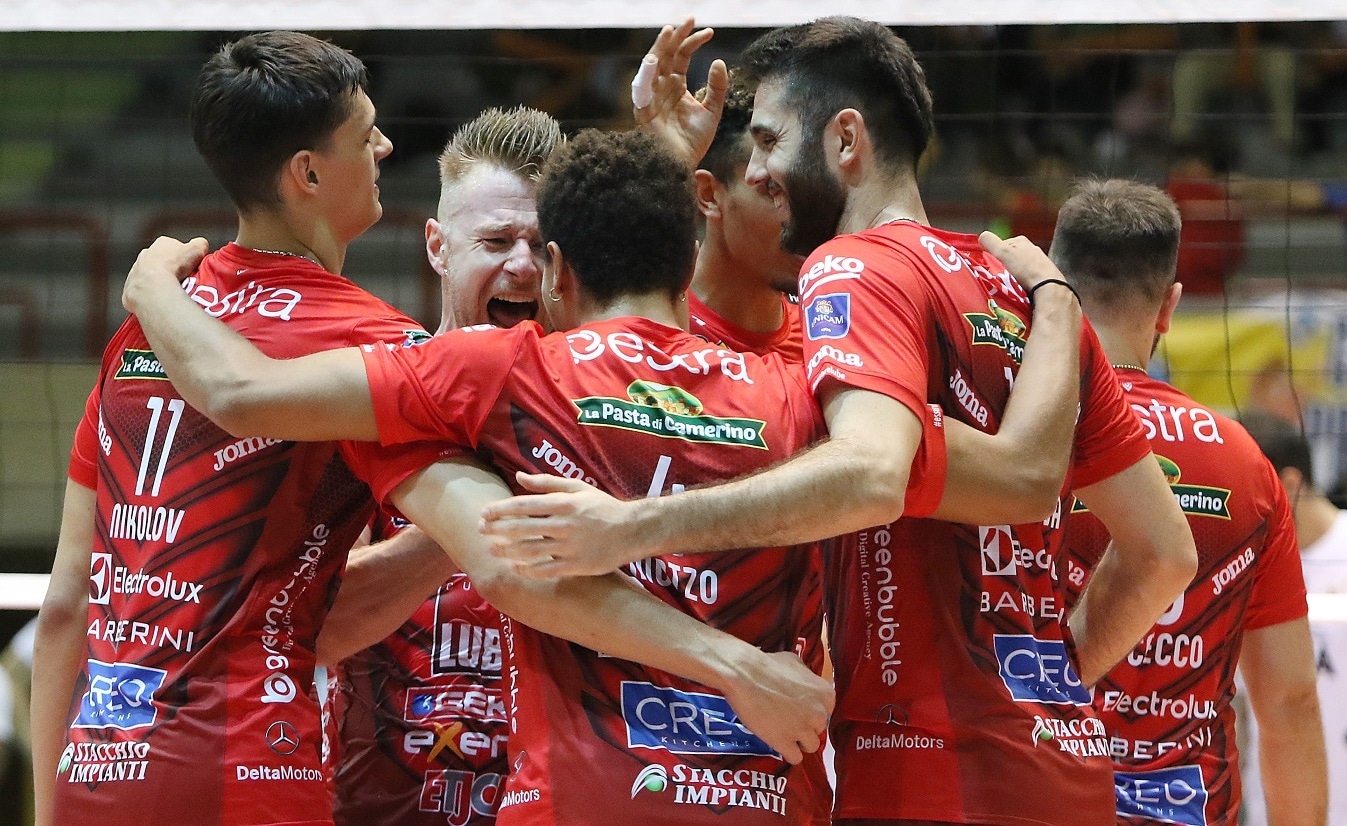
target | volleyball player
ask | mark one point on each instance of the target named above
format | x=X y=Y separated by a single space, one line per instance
x=207 y=561
x=1167 y=705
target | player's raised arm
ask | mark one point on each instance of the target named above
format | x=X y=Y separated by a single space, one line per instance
x=217 y=371
x=775 y=695
x=382 y=586
x=661 y=101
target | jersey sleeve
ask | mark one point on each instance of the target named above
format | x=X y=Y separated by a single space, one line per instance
x=384 y=468
x=866 y=314
x=926 y=481
x=1108 y=438
x=441 y=390
x=84 y=452
x=1279 y=582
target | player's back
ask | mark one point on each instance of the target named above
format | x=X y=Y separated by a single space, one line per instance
x=958 y=698
x=1167 y=705
x=638 y=409
x=215 y=560
x=420 y=721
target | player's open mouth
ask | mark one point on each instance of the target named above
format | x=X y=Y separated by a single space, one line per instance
x=506 y=312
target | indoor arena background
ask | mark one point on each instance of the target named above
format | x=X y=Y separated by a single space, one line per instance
x=1245 y=121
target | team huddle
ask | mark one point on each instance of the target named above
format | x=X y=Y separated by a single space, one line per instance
x=710 y=404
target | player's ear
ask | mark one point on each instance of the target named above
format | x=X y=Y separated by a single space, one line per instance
x=435 y=246
x=558 y=277
x=300 y=173
x=850 y=139
x=1167 y=307
x=709 y=193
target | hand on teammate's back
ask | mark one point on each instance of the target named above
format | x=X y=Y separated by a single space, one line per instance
x=565 y=528
x=661 y=101
x=166 y=261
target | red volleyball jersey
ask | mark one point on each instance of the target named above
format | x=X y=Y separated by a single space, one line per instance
x=637 y=409
x=1166 y=707
x=215 y=561
x=786 y=341
x=420 y=718
x=958 y=698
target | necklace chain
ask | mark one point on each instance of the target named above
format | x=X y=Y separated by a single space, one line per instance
x=1127 y=367
x=283 y=252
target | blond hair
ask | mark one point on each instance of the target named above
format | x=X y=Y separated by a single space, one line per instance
x=519 y=140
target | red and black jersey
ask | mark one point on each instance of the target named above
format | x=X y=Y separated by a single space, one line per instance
x=1167 y=706
x=786 y=341
x=958 y=698
x=215 y=560
x=638 y=409
x=420 y=718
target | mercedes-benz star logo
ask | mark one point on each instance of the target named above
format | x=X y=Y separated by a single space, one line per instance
x=282 y=737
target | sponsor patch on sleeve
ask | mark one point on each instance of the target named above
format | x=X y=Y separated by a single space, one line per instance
x=828 y=316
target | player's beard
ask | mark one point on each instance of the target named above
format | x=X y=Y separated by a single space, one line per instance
x=815 y=198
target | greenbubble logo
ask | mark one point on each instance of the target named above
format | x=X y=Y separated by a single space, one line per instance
x=67 y=757
x=653 y=778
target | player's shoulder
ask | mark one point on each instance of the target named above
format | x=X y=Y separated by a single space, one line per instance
x=1176 y=420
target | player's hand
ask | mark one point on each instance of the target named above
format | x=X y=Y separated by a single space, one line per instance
x=568 y=529
x=780 y=700
x=661 y=101
x=1025 y=261
x=166 y=261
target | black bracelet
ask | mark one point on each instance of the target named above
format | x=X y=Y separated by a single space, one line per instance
x=1052 y=281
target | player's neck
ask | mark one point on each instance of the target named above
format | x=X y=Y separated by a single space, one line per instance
x=270 y=232
x=723 y=285
x=1314 y=516
x=1124 y=342
x=880 y=199
x=657 y=307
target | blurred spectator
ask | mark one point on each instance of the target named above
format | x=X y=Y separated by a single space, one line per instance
x=16 y=778
x=1211 y=245
x=1323 y=96
x=1236 y=57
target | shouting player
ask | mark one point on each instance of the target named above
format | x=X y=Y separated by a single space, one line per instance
x=962 y=695
x=208 y=562
x=1166 y=707
x=420 y=716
